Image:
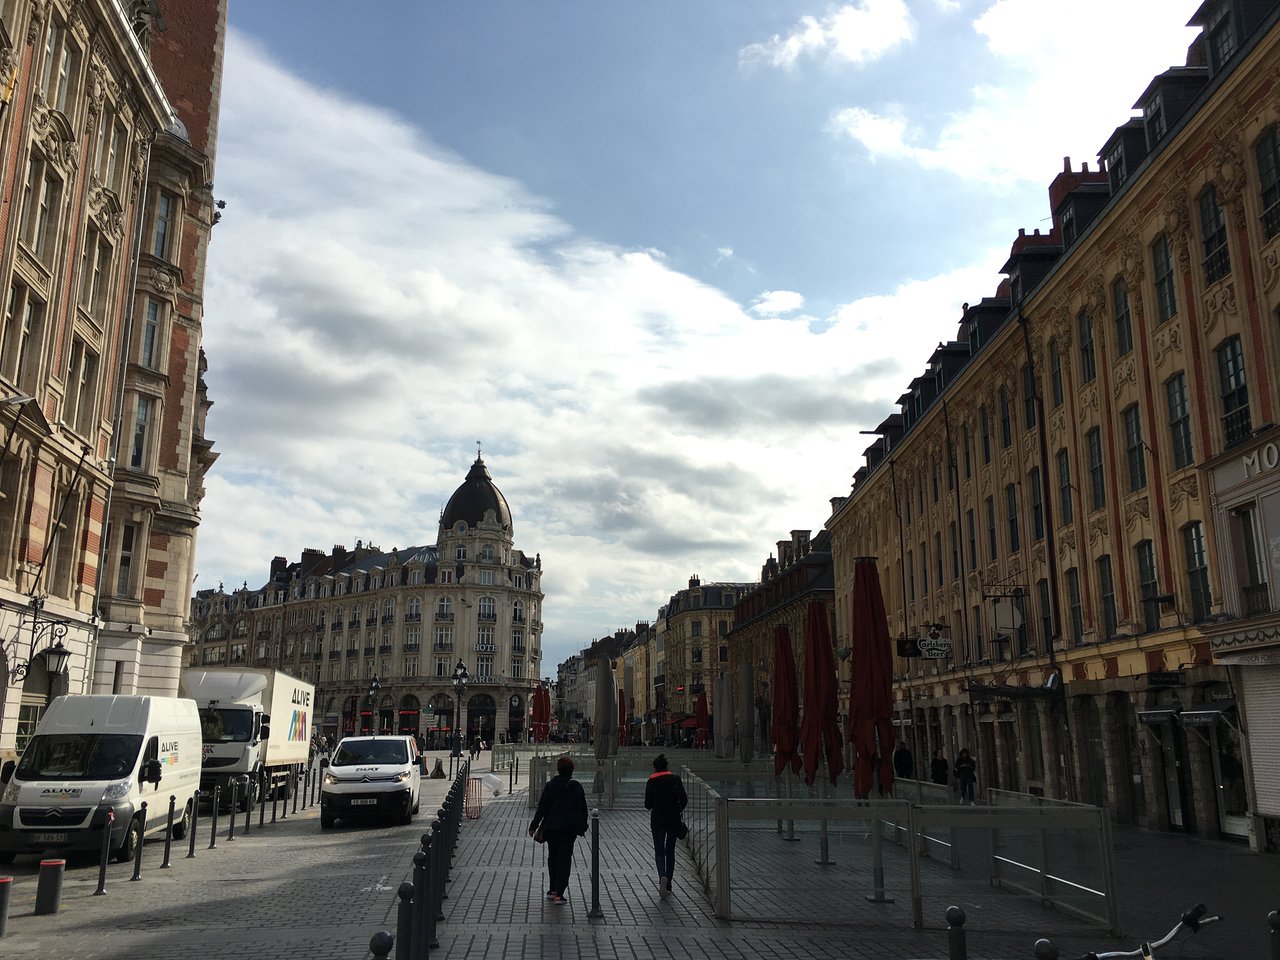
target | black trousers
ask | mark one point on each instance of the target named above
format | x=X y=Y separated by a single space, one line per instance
x=559 y=860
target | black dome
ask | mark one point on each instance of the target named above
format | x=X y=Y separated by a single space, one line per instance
x=477 y=495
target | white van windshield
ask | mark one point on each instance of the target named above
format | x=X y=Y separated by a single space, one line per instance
x=351 y=752
x=79 y=756
x=226 y=726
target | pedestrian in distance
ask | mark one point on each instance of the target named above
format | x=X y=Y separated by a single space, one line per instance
x=904 y=764
x=562 y=817
x=938 y=768
x=665 y=799
x=966 y=773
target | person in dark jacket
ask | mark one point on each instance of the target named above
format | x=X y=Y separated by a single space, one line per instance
x=904 y=765
x=562 y=814
x=664 y=798
x=966 y=772
x=938 y=767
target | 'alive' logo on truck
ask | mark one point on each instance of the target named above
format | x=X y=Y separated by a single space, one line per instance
x=298 y=726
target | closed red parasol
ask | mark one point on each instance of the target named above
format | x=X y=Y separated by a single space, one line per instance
x=786 y=708
x=541 y=714
x=819 y=729
x=870 y=726
x=702 y=721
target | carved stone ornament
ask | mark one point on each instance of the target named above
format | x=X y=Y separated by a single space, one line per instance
x=1088 y=401
x=162 y=280
x=1067 y=544
x=1270 y=268
x=1229 y=171
x=56 y=137
x=1095 y=298
x=1135 y=510
x=1176 y=217
x=1038 y=554
x=1183 y=489
x=97 y=89
x=39 y=8
x=1221 y=302
x=1126 y=372
x=1097 y=529
x=1006 y=460
x=1168 y=341
x=1058 y=422
x=105 y=207
x=1132 y=262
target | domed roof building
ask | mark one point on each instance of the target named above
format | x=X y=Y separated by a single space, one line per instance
x=406 y=618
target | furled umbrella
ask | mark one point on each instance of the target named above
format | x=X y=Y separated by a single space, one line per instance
x=605 y=722
x=745 y=703
x=870 y=725
x=701 y=720
x=784 y=729
x=538 y=721
x=819 y=729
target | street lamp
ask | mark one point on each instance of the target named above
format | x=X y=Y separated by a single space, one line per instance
x=460 y=678
x=371 y=698
x=56 y=655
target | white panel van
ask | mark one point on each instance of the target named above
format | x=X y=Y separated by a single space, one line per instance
x=92 y=755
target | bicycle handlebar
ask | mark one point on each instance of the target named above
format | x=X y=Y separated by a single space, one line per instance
x=1193 y=920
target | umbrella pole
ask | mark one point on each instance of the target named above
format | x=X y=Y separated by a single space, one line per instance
x=791 y=824
x=822 y=795
x=877 y=862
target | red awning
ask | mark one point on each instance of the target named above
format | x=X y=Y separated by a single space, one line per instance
x=689 y=722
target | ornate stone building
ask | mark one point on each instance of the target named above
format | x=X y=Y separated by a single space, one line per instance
x=102 y=166
x=405 y=618
x=1078 y=489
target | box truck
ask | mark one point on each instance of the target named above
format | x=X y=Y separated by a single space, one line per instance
x=255 y=723
x=92 y=761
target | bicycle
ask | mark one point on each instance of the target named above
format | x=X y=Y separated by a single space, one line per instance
x=1192 y=920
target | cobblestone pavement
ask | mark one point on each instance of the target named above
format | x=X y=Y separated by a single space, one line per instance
x=293 y=891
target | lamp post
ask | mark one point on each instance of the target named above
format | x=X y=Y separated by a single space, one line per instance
x=56 y=654
x=371 y=698
x=460 y=678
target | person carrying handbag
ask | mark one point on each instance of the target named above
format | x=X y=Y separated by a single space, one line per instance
x=665 y=799
x=561 y=817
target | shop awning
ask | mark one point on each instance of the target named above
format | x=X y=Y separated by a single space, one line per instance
x=1205 y=714
x=1157 y=717
x=689 y=722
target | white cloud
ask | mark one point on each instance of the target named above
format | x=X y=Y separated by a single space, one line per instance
x=858 y=32
x=772 y=303
x=947 y=6
x=1042 y=101
x=367 y=321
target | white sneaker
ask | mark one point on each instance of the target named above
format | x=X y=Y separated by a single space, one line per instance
x=664 y=885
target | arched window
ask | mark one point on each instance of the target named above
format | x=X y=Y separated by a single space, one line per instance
x=517 y=611
x=388 y=609
x=415 y=607
x=444 y=608
x=488 y=609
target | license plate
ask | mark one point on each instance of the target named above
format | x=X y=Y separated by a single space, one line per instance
x=371 y=802
x=49 y=838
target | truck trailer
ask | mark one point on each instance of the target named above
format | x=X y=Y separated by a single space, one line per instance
x=254 y=723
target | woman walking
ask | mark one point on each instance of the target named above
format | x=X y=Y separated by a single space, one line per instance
x=664 y=798
x=562 y=815
x=938 y=768
x=966 y=772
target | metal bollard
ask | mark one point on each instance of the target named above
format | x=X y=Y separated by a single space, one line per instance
x=421 y=902
x=1273 y=921
x=404 y=921
x=142 y=841
x=293 y=790
x=511 y=778
x=6 y=887
x=106 y=854
x=262 y=805
x=1045 y=950
x=248 y=804
x=445 y=848
x=213 y=820
x=435 y=883
x=380 y=944
x=315 y=780
x=957 y=948
x=195 y=822
x=275 y=796
x=595 y=910
x=231 y=826
x=49 y=886
x=168 y=833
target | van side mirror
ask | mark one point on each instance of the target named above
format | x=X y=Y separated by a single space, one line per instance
x=6 y=772
x=151 y=771
x=265 y=733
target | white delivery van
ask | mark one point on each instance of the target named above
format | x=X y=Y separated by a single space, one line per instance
x=372 y=776
x=92 y=755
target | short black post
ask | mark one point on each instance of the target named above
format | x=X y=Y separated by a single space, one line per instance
x=195 y=822
x=293 y=789
x=231 y=826
x=142 y=841
x=957 y=948
x=106 y=854
x=168 y=833
x=6 y=887
x=49 y=886
x=1273 y=921
x=380 y=944
x=213 y=820
x=595 y=910
x=315 y=779
x=287 y=781
x=445 y=847
x=404 y=922
x=421 y=903
x=262 y=804
x=1045 y=950
x=511 y=778
x=248 y=802
x=275 y=795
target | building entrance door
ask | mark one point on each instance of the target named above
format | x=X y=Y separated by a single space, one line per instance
x=1228 y=777
x=1173 y=752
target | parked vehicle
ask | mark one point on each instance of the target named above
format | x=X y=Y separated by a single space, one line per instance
x=92 y=755
x=372 y=777
x=241 y=740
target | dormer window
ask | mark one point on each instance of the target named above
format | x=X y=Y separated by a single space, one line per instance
x=1221 y=36
x=1117 y=173
x=1068 y=225
x=1153 y=120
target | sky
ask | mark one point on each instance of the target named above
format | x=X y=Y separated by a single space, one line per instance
x=663 y=260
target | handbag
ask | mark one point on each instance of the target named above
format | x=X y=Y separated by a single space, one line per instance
x=682 y=830
x=539 y=836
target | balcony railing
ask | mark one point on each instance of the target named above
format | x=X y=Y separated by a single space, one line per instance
x=487 y=617
x=518 y=651
x=319 y=627
x=334 y=654
x=337 y=627
x=442 y=617
x=368 y=651
x=384 y=648
x=1257 y=599
x=388 y=617
x=351 y=652
x=443 y=647
x=353 y=623
x=371 y=621
x=1237 y=426
x=413 y=618
x=411 y=647
x=517 y=618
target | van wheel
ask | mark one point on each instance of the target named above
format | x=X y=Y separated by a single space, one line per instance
x=129 y=846
x=183 y=826
x=6 y=856
x=417 y=802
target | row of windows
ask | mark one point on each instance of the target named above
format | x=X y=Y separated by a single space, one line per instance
x=361 y=582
